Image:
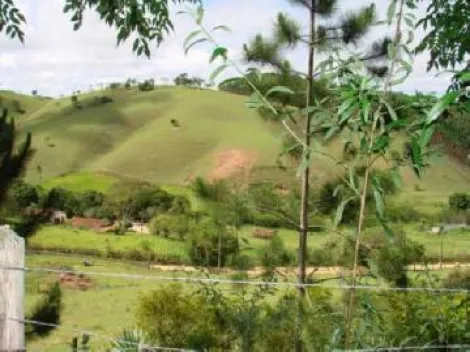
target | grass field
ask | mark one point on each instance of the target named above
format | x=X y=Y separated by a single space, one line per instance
x=82 y=181
x=69 y=239
x=108 y=306
x=455 y=244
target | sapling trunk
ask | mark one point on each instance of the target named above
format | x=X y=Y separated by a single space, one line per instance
x=304 y=209
x=369 y=164
x=303 y=228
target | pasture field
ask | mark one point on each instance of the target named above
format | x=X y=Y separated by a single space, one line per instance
x=454 y=244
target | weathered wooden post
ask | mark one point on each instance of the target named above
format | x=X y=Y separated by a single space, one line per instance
x=12 y=337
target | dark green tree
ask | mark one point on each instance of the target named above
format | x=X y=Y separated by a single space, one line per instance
x=24 y=194
x=47 y=310
x=13 y=157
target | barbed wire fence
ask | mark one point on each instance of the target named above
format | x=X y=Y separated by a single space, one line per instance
x=20 y=270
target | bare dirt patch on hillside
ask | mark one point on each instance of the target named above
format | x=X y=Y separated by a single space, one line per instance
x=230 y=162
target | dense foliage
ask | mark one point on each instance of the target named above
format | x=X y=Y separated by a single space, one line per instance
x=47 y=310
x=13 y=158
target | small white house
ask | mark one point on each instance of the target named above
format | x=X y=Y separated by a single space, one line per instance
x=58 y=217
x=140 y=227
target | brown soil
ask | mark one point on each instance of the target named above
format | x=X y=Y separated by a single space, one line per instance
x=230 y=162
x=264 y=234
x=74 y=281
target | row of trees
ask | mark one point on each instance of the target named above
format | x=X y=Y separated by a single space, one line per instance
x=126 y=201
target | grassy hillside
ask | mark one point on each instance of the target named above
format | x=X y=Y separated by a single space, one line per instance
x=28 y=104
x=134 y=136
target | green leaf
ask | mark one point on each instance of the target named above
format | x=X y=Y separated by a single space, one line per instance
x=441 y=105
x=416 y=156
x=219 y=51
x=381 y=143
x=379 y=203
x=136 y=45
x=390 y=109
x=391 y=51
x=191 y=37
x=352 y=179
x=331 y=132
x=218 y=71
x=199 y=14
x=392 y=9
x=202 y=40
x=280 y=89
x=221 y=28
x=426 y=135
x=387 y=229
x=340 y=211
x=254 y=101
x=465 y=76
x=396 y=177
x=397 y=125
x=409 y=22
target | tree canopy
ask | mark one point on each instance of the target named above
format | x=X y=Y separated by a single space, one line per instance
x=147 y=20
x=447 y=33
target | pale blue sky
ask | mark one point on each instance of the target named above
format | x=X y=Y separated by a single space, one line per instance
x=56 y=60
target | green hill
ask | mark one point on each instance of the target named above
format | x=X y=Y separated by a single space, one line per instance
x=134 y=135
x=20 y=106
x=171 y=135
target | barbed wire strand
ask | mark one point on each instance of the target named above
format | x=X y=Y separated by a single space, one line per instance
x=195 y=280
x=172 y=349
x=413 y=348
x=97 y=335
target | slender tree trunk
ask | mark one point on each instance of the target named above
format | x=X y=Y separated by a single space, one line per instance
x=303 y=232
x=387 y=87
x=219 y=254
x=304 y=209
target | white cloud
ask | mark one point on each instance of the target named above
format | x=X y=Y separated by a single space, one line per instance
x=56 y=60
x=8 y=60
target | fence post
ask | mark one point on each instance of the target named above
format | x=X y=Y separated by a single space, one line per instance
x=12 y=336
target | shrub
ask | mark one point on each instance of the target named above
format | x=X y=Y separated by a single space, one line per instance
x=173 y=316
x=455 y=216
x=147 y=85
x=47 y=310
x=105 y=100
x=266 y=220
x=169 y=224
x=62 y=199
x=392 y=256
x=216 y=191
x=403 y=213
x=328 y=255
x=114 y=85
x=204 y=243
x=17 y=107
x=458 y=279
x=24 y=194
x=276 y=254
x=180 y=205
x=241 y=262
x=459 y=201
